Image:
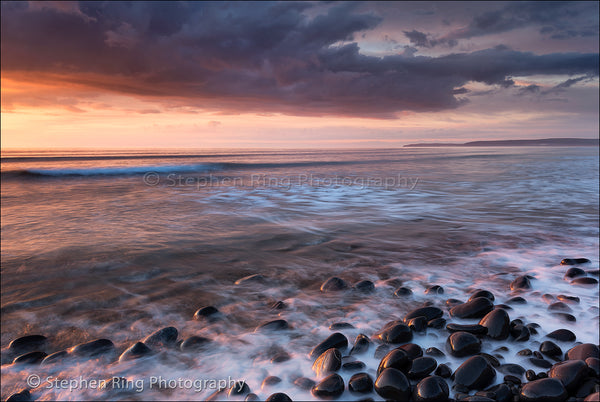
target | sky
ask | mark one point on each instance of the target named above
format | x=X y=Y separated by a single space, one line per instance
x=295 y=74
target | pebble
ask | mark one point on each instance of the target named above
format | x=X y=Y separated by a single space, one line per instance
x=474 y=329
x=443 y=371
x=331 y=386
x=381 y=351
x=433 y=351
x=94 y=348
x=437 y=323
x=21 y=396
x=585 y=281
x=476 y=308
x=431 y=389
x=563 y=335
x=360 y=383
x=361 y=345
x=568 y=299
x=516 y=300
x=135 y=351
x=582 y=352
x=512 y=369
x=571 y=373
x=208 y=313
x=543 y=390
x=565 y=317
x=594 y=364
x=430 y=313
x=421 y=367
x=328 y=362
x=278 y=397
x=574 y=272
x=278 y=305
x=417 y=324
x=530 y=375
x=520 y=333
x=453 y=302
x=32 y=358
x=251 y=397
x=163 y=337
x=542 y=363
x=340 y=325
x=574 y=261
x=551 y=349
x=393 y=384
x=354 y=366
x=269 y=381
x=435 y=290
x=275 y=325
x=520 y=282
x=397 y=359
x=497 y=323
x=497 y=393
x=239 y=388
x=28 y=343
x=403 y=291
x=412 y=349
x=335 y=340
x=194 y=343
x=482 y=293
x=395 y=332
x=365 y=286
x=304 y=383
x=55 y=357
x=475 y=373
x=587 y=387
x=461 y=344
x=559 y=306
x=334 y=284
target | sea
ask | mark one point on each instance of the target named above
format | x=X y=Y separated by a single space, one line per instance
x=117 y=244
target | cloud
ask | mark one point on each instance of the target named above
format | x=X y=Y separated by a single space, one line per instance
x=292 y=58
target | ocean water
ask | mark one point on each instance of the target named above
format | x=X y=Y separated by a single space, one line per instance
x=118 y=244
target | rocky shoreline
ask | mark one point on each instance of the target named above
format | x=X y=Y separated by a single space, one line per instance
x=565 y=370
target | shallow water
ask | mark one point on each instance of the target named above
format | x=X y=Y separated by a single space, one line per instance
x=119 y=244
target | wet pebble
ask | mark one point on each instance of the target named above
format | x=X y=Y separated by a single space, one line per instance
x=551 y=349
x=417 y=324
x=328 y=362
x=421 y=367
x=365 y=286
x=574 y=261
x=511 y=369
x=476 y=308
x=582 y=352
x=340 y=325
x=497 y=393
x=543 y=390
x=435 y=290
x=381 y=351
x=238 y=388
x=559 y=306
x=275 y=325
x=595 y=397
x=437 y=323
x=520 y=282
x=331 y=386
x=397 y=359
x=474 y=329
x=93 y=348
x=497 y=323
x=334 y=284
x=482 y=293
x=563 y=335
x=461 y=344
x=571 y=373
x=31 y=358
x=475 y=373
x=335 y=340
x=304 y=383
x=354 y=366
x=520 y=333
x=517 y=300
x=594 y=365
x=393 y=384
x=163 y=337
x=135 y=351
x=433 y=351
x=360 y=383
x=361 y=345
x=395 y=332
x=251 y=397
x=443 y=371
x=208 y=313
x=28 y=343
x=194 y=343
x=403 y=292
x=55 y=357
x=412 y=350
x=278 y=397
x=428 y=312
x=270 y=381
x=565 y=317
x=587 y=281
x=541 y=363
x=21 y=396
x=574 y=272
x=568 y=299
x=431 y=389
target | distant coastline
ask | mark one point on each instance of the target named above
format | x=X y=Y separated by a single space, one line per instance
x=546 y=142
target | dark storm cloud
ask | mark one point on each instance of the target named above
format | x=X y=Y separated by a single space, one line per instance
x=560 y=20
x=296 y=58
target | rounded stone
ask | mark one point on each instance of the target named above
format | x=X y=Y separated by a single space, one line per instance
x=482 y=293
x=360 y=383
x=497 y=323
x=251 y=397
x=512 y=369
x=328 y=362
x=334 y=284
x=594 y=365
x=278 y=397
x=402 y=292
x=543 y=390
x=163 y=337
x=55 y=357
x=434 y=290
x=336 y=326
x=336 y=340
x=433 y=351
x=421 y=367
x=437 y=323
x=208 y=313
x=365 y=286
x=563 y=335
x=585 y=281
x=574 y=272
x=354 y=366
x=397 y=359
x=568 y=299
x=443 y=371
x=551 y=349
x=497 y=393
x=395 y=332
x=582 y=352
x=520 y=282
x=475 y=373
x=412 y=350
x=331 y=386
x=393 y=384
x=574 y=261
x=304 y=383
x=135 y=351
x=476 y=308
x=461 y=344
x=32 y=358
x=541 y=363
x=361 y=345
x=275 y=325
x=270 y=380
x=474 y=329
x=516 y=300
x=520 y=333
x=429 y=313
x=194 y=343
x=28 y=343
x=570 y=373
x=93 y=348
x=431 y=389
x=238 y=388
x=21 y=396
